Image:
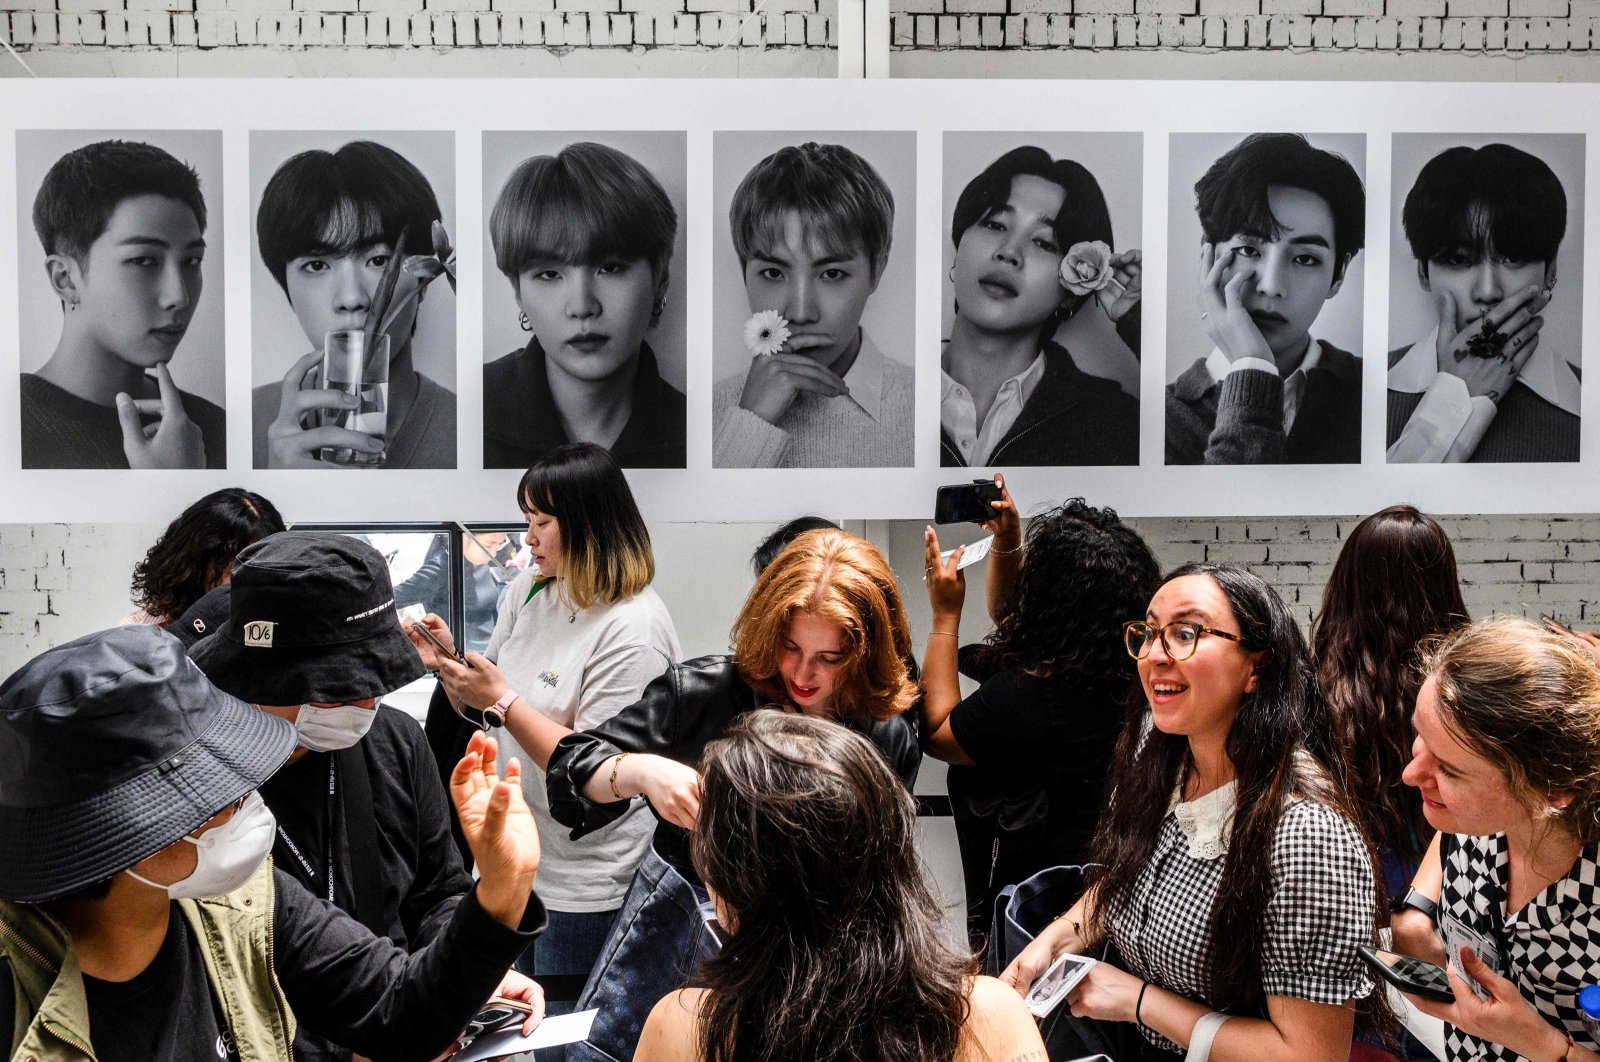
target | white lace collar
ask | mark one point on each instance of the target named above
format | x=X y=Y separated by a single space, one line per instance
x=1206 y=821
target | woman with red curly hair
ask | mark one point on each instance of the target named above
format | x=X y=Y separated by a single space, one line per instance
x=823 y=632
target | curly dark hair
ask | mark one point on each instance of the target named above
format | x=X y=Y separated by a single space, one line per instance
x=194 y=552
x=809 y=842
x=1084 y=573
x=1365 y=647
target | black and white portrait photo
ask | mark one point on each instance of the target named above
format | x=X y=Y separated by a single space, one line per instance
x=584 y=314
x=1264 y=310
x=813 y=339
x=1485 y=298
x=120 y=301
x=1043 y=277
x=353 y=350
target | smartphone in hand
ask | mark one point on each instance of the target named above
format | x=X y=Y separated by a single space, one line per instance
x=1412 y=976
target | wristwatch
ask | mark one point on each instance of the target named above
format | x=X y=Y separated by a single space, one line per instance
x=1415 y=899
x=495 y=714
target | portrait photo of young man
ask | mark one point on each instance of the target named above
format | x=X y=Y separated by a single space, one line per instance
x=813 y=299
x=122 y=359
x=1484 y=364
x=330 y=213
x=1264 y=299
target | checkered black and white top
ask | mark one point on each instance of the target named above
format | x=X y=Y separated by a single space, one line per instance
x=1320 y=907
x=1553 y=941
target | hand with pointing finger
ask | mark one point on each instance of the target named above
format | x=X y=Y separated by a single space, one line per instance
x=173 y=441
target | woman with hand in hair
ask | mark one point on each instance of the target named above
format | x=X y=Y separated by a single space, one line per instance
x=579 y=635
x=1235 y=885
x=1363 y=645
x=1031 y=747
x=1507 y=762
x=832 y=942
x=823 y=633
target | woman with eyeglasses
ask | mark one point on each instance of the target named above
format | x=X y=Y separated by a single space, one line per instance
x=1235 y=885
x=1031 y=747
x=579 y=636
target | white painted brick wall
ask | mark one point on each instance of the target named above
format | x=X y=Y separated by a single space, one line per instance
x=58 y=581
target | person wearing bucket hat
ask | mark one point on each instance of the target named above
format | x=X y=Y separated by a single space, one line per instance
x=312 y=637
x=120 y=941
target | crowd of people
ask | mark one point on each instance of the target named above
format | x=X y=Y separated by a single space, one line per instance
x=726 y=847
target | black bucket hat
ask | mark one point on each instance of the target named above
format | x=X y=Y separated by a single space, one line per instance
x=208 y=614
x=112 y=747
x=311 y=619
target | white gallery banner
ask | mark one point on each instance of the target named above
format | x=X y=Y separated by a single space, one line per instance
x=377 y=300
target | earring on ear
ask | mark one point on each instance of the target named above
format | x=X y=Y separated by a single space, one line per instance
x=660 y=306
x=952 y=274
x=522 y=319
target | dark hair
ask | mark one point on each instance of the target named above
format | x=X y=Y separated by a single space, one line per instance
x=605 y=546
x=1084 y=573
x=1393 y=587
x=780 y=538
x=842 y=202
x=195 y=551
x=587 y=204
x=85 y=186
x=809 y=840
x=1496 y=199
x=1262 y=744
x=1232 y=196
x=1083 y=216
x=340 y=201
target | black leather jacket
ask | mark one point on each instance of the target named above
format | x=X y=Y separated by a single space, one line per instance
x=681 y=711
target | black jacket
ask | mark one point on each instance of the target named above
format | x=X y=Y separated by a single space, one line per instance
x=682 y=711
x=1071 y=418
x=521 y=423
x=420 y=876
x=345 y=983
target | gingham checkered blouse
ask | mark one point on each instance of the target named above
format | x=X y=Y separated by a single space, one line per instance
x=1554 y=940
x=1320 y=906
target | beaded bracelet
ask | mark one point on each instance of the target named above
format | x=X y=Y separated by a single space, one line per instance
x=615 y=765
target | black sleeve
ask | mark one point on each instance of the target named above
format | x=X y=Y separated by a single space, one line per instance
x=679 y=712
x=1129 y=327
x=1004 y=719
x=441 y=881
x=372 y=997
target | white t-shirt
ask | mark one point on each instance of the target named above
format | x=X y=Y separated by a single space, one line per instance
x=580 y=668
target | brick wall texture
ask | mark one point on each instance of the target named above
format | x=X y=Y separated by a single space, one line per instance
x=58 y=581
x=1505 y=27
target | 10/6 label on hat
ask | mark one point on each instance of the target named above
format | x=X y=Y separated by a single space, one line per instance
x=259 y=634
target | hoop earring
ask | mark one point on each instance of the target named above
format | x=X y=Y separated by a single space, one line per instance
x=522 y=319
x=952 y=274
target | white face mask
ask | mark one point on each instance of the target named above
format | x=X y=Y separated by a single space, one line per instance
x=225 y=855
x=332 y=729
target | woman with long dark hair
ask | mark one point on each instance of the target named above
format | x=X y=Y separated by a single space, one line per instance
x=579 y=635
x=1236 y=884
x=1393 y=587
x=194 y=553
x=832 y=948
x=1031 y=747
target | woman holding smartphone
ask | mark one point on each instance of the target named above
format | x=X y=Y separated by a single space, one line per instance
x=1031 y=747
x=580 y=634
x=1011 y=394
x=822 y=633
x=807 y=843
x=1234 y=885
x=1507 y=760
